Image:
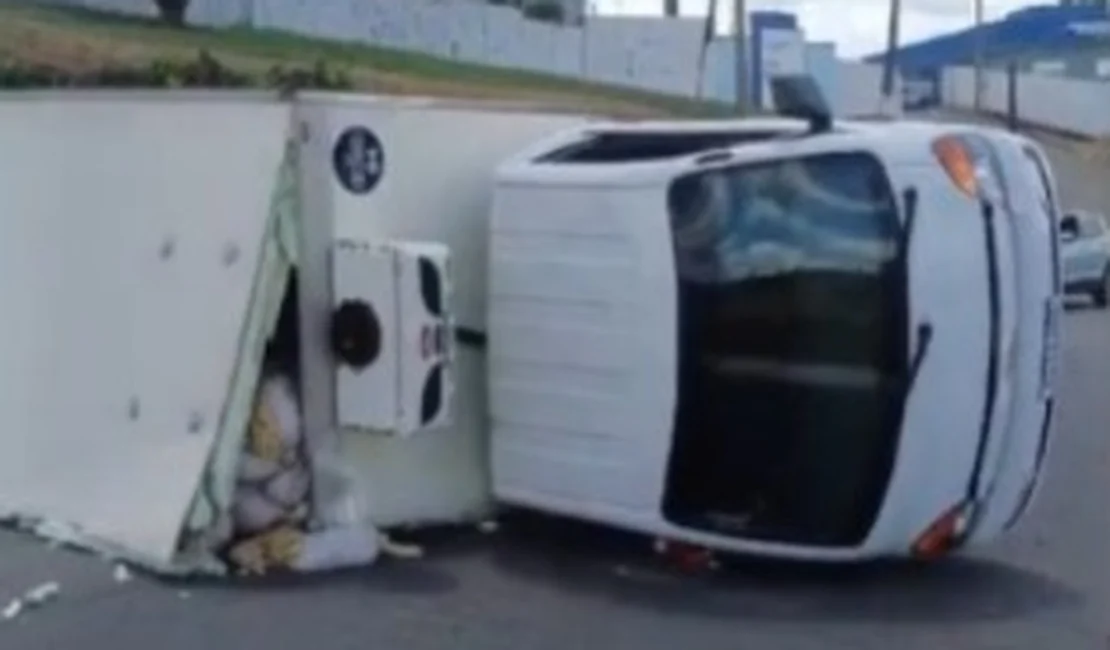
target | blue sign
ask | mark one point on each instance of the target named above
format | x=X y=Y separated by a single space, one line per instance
x=761 y=21
x=359 y=160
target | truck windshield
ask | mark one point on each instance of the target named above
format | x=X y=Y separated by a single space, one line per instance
x=792 y=330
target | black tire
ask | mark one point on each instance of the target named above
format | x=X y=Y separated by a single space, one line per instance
x=1101 y=295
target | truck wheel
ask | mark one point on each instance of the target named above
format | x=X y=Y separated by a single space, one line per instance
x=1101 y=295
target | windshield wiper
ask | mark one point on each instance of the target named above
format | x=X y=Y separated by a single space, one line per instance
x=909 y=198
x=994 y=302
x=920 y=349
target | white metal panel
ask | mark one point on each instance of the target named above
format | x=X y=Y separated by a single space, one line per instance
x=427 y=338
x=948 y=289
x=128 y=252
x=582 y=354
x=386 y=397
x=434 y=186
x=368 y=398
x=1032 y=230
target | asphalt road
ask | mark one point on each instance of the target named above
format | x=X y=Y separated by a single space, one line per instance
x=538 y=584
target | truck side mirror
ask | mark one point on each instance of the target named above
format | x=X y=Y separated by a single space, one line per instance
x=1069 y=227
x=798 y=96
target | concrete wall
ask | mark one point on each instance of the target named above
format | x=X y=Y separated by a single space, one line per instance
x=859 y=88
x=656 y=54
x=1072 y=105
x=1078 y=65
x=651 y=54
x=852 y=88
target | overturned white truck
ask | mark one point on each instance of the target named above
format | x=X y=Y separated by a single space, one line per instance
x=474 y=303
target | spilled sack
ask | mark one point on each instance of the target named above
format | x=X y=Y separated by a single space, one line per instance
x=271 y=507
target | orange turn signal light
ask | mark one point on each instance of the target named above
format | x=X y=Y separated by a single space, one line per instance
x=943 y=535
x=953 y=155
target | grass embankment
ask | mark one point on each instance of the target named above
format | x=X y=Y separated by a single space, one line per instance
x=80 y=41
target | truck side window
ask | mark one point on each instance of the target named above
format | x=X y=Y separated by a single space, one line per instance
x=1088 y=227
x=1095 y=225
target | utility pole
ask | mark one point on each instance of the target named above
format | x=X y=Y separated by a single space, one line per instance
x=743 y=66
x=708 y=35
x=979 y=55
x=670 y=8
x=889 y=67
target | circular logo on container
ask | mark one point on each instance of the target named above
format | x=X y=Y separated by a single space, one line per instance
x=358 y=159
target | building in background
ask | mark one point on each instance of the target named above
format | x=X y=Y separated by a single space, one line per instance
x=1063 y=31
x=1102 y=4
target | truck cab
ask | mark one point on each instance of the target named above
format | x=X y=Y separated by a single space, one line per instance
x=771 y=338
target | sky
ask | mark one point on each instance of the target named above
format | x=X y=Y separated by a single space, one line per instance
x=857 y=26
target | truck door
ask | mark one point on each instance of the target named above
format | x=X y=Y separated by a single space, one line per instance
x=1044 y=294
x=1030 y=359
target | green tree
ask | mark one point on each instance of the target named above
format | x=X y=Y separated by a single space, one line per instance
x=549 y=11
x=173 y=11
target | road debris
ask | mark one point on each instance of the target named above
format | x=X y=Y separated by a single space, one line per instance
x=400 y=550
x=42 y=594
x=687 y=558
x=270 y=529
x=35 y=597
x=489 y=526
x=121 y=573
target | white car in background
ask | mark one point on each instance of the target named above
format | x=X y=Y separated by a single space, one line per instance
x=1085 y=249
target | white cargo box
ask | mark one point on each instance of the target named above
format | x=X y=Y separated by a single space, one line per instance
x=145 y=268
